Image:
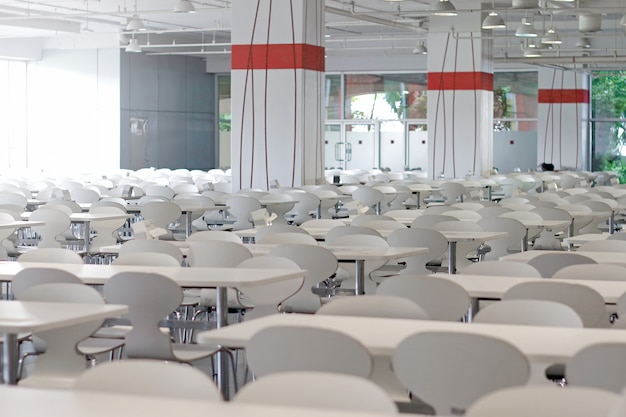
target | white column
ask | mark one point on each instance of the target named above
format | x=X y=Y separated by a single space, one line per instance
x=276 y=87
x=561 y=120
x=460 y=96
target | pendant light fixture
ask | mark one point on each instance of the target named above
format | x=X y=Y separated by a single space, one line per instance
x=135 y=23
x=444 y=8
x=420 y=48
x=493 y=20
x=184 y=6
x=526 y=29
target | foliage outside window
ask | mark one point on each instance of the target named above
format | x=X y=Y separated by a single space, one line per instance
x=608 y=94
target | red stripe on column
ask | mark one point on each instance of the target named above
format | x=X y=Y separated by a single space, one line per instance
x=460 y=81
x=564 y=96
x=278 y=56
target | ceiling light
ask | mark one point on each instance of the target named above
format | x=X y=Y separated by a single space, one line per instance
x=532 y=53
x=551 y=38
x=526 y=29
x=135 y=23
x=184 y=6
x=493 y=21
x=583 y=42
x=420 y=48
x=444 y=8
x=133 y=46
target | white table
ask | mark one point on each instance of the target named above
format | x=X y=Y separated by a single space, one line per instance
x=25 y=401
x=381 y=336
x=356 y=254
x=584 y=238
x=617 y=258
x=25 y=317
x=467 y=236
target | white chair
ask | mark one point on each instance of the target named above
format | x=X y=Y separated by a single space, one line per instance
x=162 y=214
x=370 y=197
x=501 y=247
x=452 y=192
x=460 y=368
x=106 y=229
x=52 y=255
x=440 y=298
x=320 y=264
x=305 y=208
x=56 y=222
x=264 y=231
x=601 y=366
x=544 y=401
x=149 y=378
x=529 y=312
x=603 y=272
x=241 y=208
x=586 y=301
x=221 y=235
x=61 y=352
x=267 y=299
x=505 y=268
x=548 y=263
x=323 y=390
x=339 y=231
x=306 y=349
x=463 y=248
x=436 y=243
x=151 y=245
x=464 y=215
x=603 y=246
x=429 y=221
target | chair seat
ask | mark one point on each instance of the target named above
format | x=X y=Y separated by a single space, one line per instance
x=97 y=345
x=188 y=352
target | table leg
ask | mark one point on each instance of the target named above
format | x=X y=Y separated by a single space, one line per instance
x=417 y=193
x=87 y=237
x=221 y=312
x=318 y=211
x=612 y=223
x=570 y=233
x=187 y=223
x=525 y=241
x=9 y=359
x=359 y=272
x=452 y=257
x=377 y=208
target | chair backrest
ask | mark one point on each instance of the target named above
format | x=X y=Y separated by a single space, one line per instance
x=241 y=207
x=151 y=378
x=30 y=277
x=161 y=213
x=267 y=298
x=548 y=263
x=452 y=191
x=56 y=222
x=529 y=312
x=601 y=366
x=285 y=238
x=222 y=235
x=276 y=228
x=604 y=246
x=289 y=348
x=603 y=272
x=337 y=232
x=146 y=258
x=151 y=245
x=57 y=255
x=307 y=203
x=465 y=215
x=436 y=243
x=429 y=221
x=149 y=297
x=304 y=389
x=544 y=401
x=215 y=253
x=319 y=262
x=493 y=211
x=461 y=368
x=322 y=224
x=500 y=247
x=367 y=196
x=506 y=268
x=384 y=306
x=440 y=298
x=384 y=225
x=586 y=301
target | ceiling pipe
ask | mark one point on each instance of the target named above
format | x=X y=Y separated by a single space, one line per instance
x=562 y=60
x=372 y=19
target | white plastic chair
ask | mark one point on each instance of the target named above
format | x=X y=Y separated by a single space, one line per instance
x=461 y=368
x=323 y=390
x=370 y=197
x=505 y=268
x=279 y=349
x=548 y=263
x=603 y=272
x=603 y=246
x=56 y=222
x=544 y=401
x=162 y=214
x=529 y=312
x=106 y=229
x=264 y=231
x=151 y=245
x=601 y=366
x=58 y=255
x=241 y=208
x=222 y=235
x=149 y=378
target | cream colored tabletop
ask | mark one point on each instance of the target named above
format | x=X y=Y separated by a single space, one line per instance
x=616 y=258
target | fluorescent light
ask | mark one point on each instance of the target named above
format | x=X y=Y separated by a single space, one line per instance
x=551 y=38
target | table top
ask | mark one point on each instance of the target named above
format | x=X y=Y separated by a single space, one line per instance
x=349 y=253
x=21 y=223
x=381 y=335
x=33 y=316
x=584 y=238
x=493 y=286
x=196 y=277
x=87 y=217
x=70 y=403
x=617 y=258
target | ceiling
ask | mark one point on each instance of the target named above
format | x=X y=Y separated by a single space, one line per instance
x=359 y=27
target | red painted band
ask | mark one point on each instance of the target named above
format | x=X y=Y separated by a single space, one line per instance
x=460 y=81
x=564 y=96
x=278 y=56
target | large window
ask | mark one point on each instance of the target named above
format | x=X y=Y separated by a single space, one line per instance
x=608 y=124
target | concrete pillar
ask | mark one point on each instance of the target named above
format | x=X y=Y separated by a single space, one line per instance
x=277 y=86
x=562 y=125
x=460 y=95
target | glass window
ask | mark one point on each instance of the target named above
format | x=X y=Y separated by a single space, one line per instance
x=333 y=97
x=225 y=116
x=515 y=101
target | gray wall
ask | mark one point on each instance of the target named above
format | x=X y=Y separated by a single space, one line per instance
x=176 y=98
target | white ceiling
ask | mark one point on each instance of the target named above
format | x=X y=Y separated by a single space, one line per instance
x=352 y=27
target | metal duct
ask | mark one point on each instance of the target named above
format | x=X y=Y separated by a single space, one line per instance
x=610 y=59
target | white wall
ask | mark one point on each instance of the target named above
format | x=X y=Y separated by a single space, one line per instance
x=73 y=112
